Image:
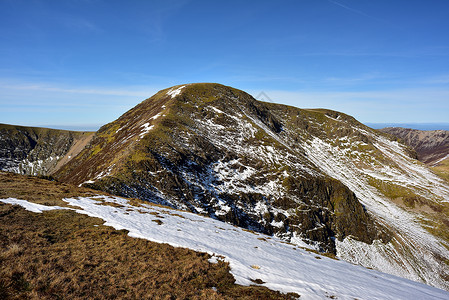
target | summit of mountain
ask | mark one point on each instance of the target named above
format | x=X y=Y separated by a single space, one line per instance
x=216 y=150
x=313 y=177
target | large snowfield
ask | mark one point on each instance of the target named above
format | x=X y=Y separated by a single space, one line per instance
x=282 y=266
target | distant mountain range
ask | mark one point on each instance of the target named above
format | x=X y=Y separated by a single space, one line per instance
x=312 y=177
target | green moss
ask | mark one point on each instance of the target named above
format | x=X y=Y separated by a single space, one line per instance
x=259 y=135
x=95 y=150
x=391 y=190
x=442 y=169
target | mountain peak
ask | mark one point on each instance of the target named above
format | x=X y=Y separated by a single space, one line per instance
x=315 y=176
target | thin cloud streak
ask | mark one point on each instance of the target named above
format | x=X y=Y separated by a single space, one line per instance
x=137 y=92
x=359 y=12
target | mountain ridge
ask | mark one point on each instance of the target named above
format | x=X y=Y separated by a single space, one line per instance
x=312 y=177
x=201 y=153
x=431 y=146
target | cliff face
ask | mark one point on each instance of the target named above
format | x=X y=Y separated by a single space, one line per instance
x=37 y=151
x=308 y=176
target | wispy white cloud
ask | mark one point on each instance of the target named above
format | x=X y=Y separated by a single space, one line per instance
x=408 y=53
x=65 y=104
x=441 y=79
x=80 y=24
x=35 y=104
x=129 y=91
x=359 y=12
x=364 y=77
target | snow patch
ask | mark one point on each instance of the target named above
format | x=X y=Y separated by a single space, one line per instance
x=440 y=160
x=156 y=116
x=175 y=92
x=30 y=206
x=146 y=128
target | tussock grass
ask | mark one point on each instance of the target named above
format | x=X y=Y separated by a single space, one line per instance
x=60 y=254
x=39 y=190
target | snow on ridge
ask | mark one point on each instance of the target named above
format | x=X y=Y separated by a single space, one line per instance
x=156 y=116
x=175 y=92
x=282 y=266
x=440 y=160
x=146 y=128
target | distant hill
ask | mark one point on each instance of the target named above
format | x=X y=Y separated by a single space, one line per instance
x=431 y=146
x=417 y=126
x=38 y=151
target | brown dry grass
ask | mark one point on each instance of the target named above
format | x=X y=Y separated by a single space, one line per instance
x=39 y=190
x=64 y=255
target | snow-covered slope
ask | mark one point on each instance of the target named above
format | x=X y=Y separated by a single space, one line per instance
x=389 y=174
x=252 y=256
x=306 y=176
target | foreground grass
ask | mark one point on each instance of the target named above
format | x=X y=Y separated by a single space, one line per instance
x=39 y=190
x=64 y=255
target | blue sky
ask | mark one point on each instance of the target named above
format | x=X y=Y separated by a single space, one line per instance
x=82 y=63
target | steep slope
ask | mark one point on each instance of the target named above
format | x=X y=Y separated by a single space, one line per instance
x=307 y=176
x=61 y=245
x=254 y=259
x=215 y=150
x=38 y=151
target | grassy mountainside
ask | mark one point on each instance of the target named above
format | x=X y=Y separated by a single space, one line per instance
x=214 y=150
x=62 y=254
x=442 y=169
x=38 y=151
